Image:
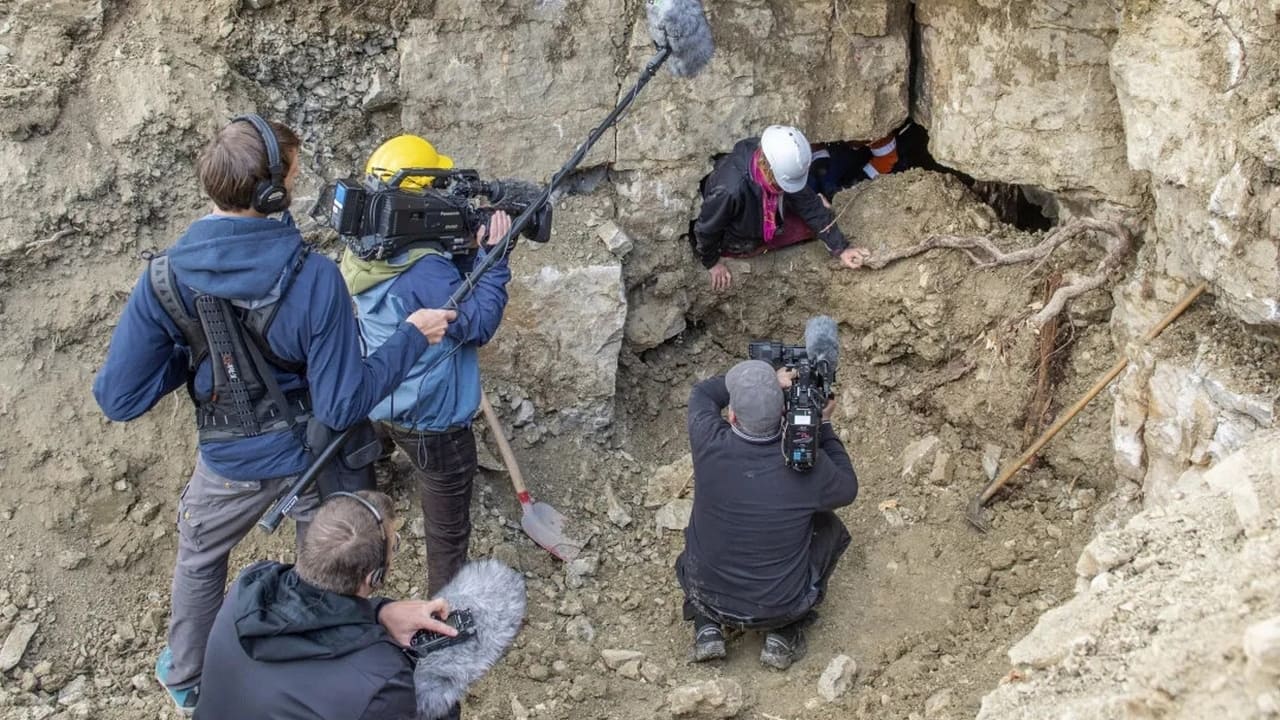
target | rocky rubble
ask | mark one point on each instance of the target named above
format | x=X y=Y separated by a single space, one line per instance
x=1175 y=613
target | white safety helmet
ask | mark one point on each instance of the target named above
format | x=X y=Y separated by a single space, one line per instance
x=788 y=154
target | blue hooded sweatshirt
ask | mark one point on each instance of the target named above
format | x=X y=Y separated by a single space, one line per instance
x=443 y=388
x=245 y=260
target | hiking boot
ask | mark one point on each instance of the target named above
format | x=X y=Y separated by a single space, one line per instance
x=708 y=644
x=184 y=698
x=783 y=647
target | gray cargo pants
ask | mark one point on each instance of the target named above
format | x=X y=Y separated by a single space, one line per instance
x=214 y=515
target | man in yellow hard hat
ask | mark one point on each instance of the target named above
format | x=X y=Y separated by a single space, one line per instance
x=429 y=415
x=405 y=151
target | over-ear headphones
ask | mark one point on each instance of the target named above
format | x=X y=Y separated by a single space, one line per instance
x=269 y=196
x=380 y=574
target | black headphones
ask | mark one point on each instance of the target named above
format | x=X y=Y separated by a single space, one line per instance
x=269 y=196
x=379 y=575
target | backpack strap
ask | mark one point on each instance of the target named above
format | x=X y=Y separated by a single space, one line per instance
x=160 y=275
x=258 y=321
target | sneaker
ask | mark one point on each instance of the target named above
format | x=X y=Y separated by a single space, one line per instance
x=783 y=647
x=184 y=698
x=708 y=644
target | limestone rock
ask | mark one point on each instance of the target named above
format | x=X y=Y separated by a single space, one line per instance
x=614 y=659
x=1182 y=413
x=16 y=644
x=674 y=515
x=655 y=316
x=617 y=513
x=1197 y=614
x=992 y=75
x=991 y=459
x=719 y=698
x=669 y=482
x=382 y=94
x=1108 y=550
x=1262 y=646
x=581 y=629
x=837 y=677
x=1247 y=477
x=561 y=334
x=1184 y=90
x=72 y=559
x=944 y=469
x=937 y=705
x=919 y=455
x=615 y=238
x=73 y=692
x=630 y=669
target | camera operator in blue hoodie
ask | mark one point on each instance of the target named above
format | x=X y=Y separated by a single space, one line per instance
x=240 y=287
x=429 y=415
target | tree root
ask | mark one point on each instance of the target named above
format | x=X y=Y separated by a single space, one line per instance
x=1114 y=237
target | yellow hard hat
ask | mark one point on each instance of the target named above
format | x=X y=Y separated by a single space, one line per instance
x=406 y=151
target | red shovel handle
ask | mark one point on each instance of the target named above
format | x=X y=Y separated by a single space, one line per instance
x=504 y=448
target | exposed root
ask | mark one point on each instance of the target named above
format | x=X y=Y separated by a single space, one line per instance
x=1038 y=408
x=1113 y=236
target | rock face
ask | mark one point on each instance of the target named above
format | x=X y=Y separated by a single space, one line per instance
x=1197 y=88
x=564 y=328
x=1186 y=621
x=1185 y=403
x=531 y=71
x=1171 y=100
x=992 y=75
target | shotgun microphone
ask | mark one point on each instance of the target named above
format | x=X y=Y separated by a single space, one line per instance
x=681 y=27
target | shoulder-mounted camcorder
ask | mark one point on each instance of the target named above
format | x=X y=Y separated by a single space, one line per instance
x=378 y=219
x=813 y=386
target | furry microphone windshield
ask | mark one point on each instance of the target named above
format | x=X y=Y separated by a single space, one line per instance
x=822 y=342
x=681 y=26
x=495 y=595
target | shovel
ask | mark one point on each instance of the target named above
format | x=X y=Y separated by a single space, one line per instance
x=540 y=521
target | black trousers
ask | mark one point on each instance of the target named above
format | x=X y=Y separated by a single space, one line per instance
x=827 y=544
x=446 y=468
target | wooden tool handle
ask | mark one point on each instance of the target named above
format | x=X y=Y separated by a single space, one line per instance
x=1074 y=410
x=504 y=448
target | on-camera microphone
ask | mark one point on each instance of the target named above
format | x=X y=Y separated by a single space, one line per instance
x=822 y=343
x=494 y=594
x=681 y=26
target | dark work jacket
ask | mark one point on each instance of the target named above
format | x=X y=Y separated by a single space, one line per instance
x=281 y=649
x=747 y=545
x=732 y=216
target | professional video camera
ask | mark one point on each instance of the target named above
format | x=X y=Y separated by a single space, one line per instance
x=379 y=218
x=815 y=365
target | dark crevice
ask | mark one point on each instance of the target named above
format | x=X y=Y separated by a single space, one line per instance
x=583 y=181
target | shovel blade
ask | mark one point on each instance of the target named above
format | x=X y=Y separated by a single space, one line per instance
x=976 y=516
x=545 y=525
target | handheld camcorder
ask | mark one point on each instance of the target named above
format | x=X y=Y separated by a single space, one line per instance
x=815 y=365
x=377 y=219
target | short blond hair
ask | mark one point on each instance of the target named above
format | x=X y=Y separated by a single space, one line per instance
x=345 y=543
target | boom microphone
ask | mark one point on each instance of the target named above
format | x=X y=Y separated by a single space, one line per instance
x=681 y=26
x=495 y=595
x=680 y=30
x=822 y=343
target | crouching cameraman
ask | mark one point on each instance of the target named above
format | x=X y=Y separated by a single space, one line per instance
x=763 y=539
x=309 y=640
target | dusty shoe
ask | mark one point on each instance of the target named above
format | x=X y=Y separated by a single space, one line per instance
x=184 y=698
x=783 y=647
x=708 y=644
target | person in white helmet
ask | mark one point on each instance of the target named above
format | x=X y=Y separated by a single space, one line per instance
x=757 y=199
